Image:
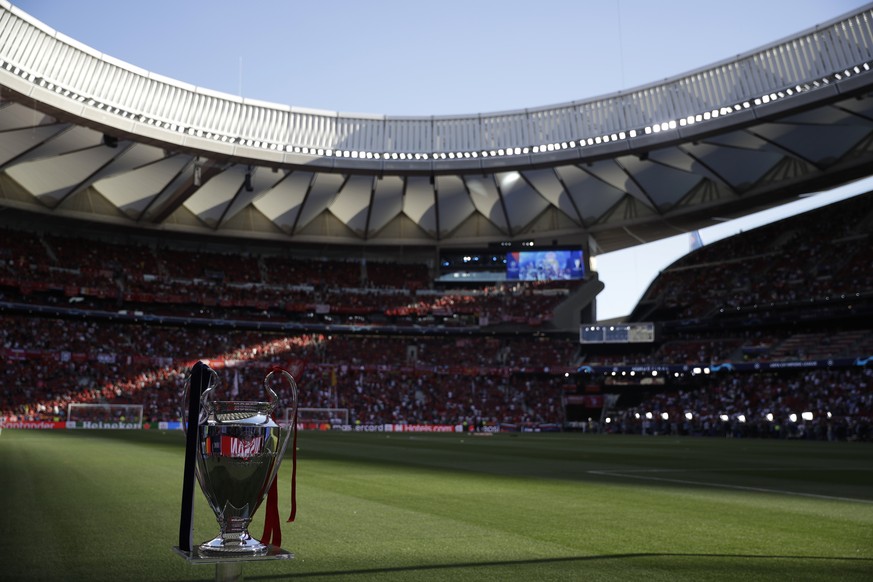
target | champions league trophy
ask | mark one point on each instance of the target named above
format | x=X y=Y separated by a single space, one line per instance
x=236 y=448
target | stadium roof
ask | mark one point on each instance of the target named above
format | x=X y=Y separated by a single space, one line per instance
x=84 y=135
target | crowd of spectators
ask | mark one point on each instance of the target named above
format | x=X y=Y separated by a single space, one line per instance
x=470 y=380
x=822 y=404
x=819 y=255
x=515 y=378
x=52 y=269
x=50 y=363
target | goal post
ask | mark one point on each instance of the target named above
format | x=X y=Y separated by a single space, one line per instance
x=334 y=417
x=112 y=416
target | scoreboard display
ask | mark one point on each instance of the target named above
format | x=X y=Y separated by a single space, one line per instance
x=621 y=333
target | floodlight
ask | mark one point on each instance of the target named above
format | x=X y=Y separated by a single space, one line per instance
x=741 y=417
x=769 y=416
x=806 y=415
x=509 y=179
x=649 y=415
x=724 y=417
x=665 y=416
x=792 y=417
x=689 y=416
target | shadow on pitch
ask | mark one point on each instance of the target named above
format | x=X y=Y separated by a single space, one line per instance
x=579 y=559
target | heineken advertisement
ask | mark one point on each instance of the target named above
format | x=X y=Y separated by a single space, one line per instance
x=103 y=425
x=70 y=424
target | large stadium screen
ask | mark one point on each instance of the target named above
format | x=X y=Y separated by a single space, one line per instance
x=548 y=265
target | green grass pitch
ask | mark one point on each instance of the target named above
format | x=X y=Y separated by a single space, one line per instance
x=104 y=505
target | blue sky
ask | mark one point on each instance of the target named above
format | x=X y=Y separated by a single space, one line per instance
x=441 y=58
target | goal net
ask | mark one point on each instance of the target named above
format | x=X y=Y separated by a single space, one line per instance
x=105 y=415
x=318 y=417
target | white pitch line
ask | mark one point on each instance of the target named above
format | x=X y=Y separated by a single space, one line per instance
x=725 y=485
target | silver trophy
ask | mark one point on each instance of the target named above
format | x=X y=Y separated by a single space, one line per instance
x=239 y=449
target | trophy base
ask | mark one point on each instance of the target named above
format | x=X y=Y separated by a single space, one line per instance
x=196 y=555
x=234 y=545
x=228 y=566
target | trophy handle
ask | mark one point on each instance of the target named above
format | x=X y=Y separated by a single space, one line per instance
x=274 y=401
x=204 y=413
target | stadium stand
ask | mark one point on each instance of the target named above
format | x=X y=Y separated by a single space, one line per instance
x=97 y=320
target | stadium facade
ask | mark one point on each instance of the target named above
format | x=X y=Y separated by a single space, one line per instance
x=87 y=136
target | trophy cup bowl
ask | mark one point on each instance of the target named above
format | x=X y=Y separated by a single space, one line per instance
x=239 y=450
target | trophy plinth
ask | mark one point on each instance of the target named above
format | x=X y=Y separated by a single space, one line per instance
x=228 y=566
x=196 y=556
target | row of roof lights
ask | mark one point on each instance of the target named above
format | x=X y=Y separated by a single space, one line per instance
x=694 y=372
x=669 y=125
